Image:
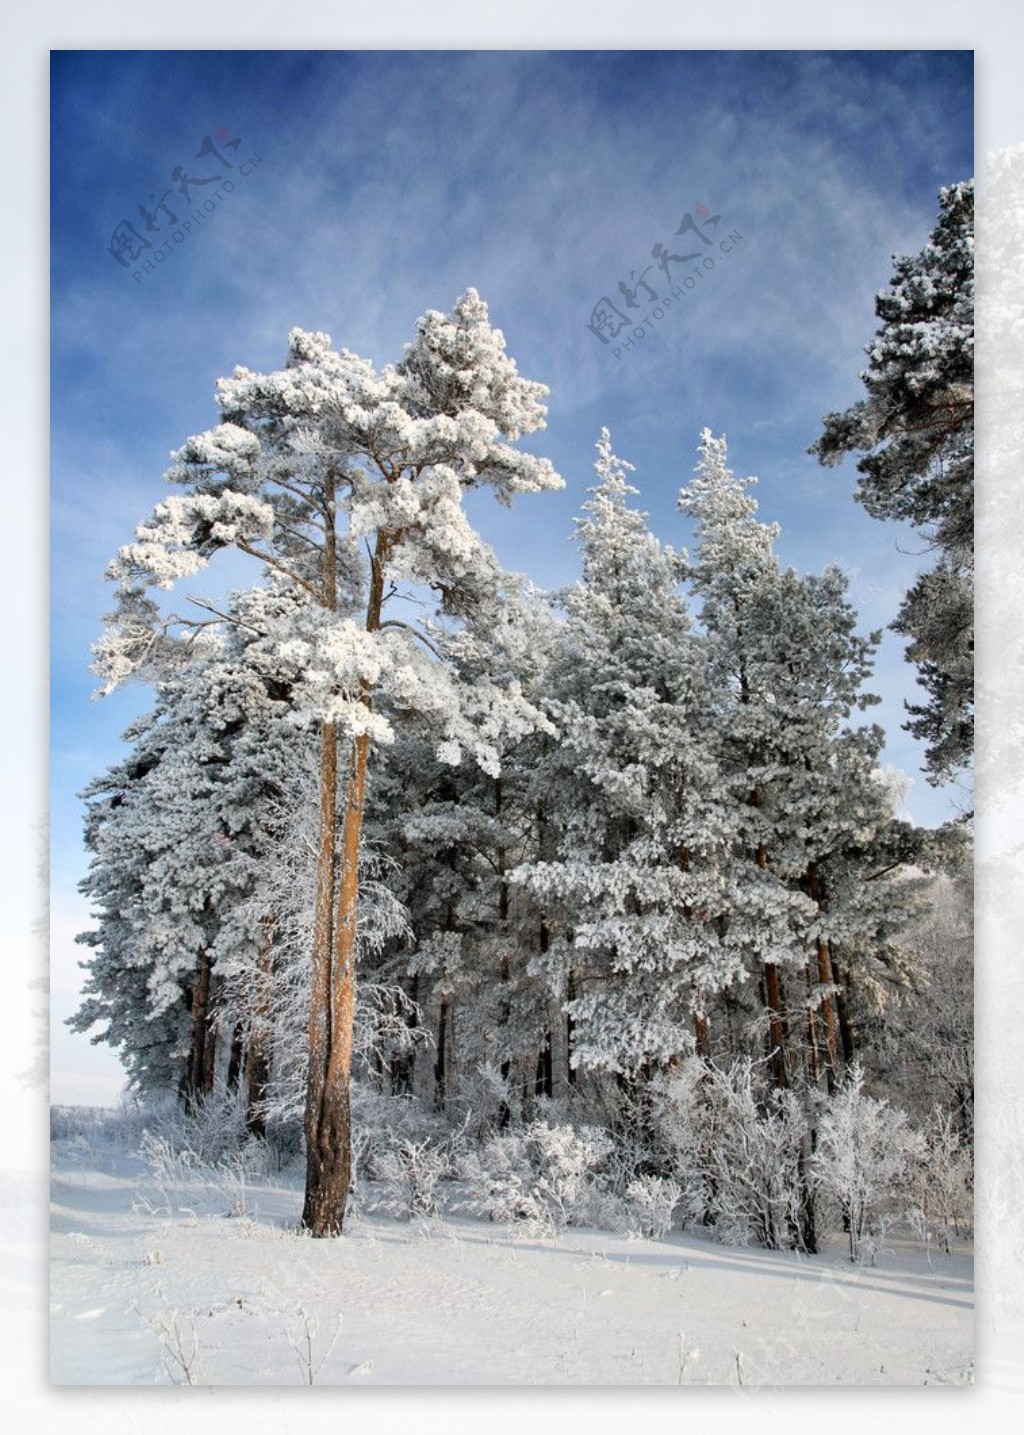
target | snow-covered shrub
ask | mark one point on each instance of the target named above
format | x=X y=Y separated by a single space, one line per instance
x=206 y=1153
x=233 y=1175
x=864 y=1161
x=168 y=1164
x=500 y=1190
x=539 y=1176
x=943 y=1182
x=207 y=1133
x=652 y=1201
x=381 y=1124
x=401 y=1151
x=738 y=1146
x=411 y=1175
x=285 y=1142
x=636 y=1147
x=482 y=1102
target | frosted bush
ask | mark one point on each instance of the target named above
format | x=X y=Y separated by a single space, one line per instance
x=652 y=1201
x=411 y=1176
x=563 y=1161
x=499 y=1191
x=401 y=1152
x=233 y=1176
x=207 y=1133
x=77 y=1124
x=483 y=1101
x=604 y=1208
x=381 y=1124
x=943 y=1183
x=168 y=1165
x=738 y=1148
x=540 y=1176
x=864 y=1161
x=205 y=1152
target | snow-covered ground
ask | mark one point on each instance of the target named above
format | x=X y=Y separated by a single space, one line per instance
x=155 y=1282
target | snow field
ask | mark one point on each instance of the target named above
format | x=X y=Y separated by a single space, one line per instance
x=156 y=1284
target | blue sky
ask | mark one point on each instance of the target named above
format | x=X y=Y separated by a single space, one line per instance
x=388 y=183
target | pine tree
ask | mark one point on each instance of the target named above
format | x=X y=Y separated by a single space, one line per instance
x=178 y=831
x=915 y=434
x=309 y=464
x=634 y=887
x=455 y=835
x=810 y=808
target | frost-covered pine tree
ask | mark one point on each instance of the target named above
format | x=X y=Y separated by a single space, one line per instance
x=634 y=886
x=455 y=835
x=915 y=434
x=178 y=833
x=812 y=814
x=114 y=1007
x=309 y=466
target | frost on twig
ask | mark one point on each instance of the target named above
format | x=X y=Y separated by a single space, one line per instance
x=303 y=1331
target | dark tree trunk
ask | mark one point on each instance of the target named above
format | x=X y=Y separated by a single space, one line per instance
x=441 y=1062
x=257 y=1055
x=813 y=1057
x=403 y=1064
x=195 y=1070
x=807 y=1235
x=257 y=1072
x=570 y=995
x=209 y=1059
x=234 y=1074
x=826 y=979
x=846 y=1030
x=772 y=988
x=776 y=1023
x=544 y=1084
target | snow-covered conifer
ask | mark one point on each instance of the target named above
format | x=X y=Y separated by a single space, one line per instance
x=309 y=465
x=915 y=434
x=634 y=885
x=178 y=831
x=806 y=798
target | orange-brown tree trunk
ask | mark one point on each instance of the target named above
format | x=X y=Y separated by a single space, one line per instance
x=776 y=1023
x=329 y=1138
x=332 y=1008
x=828 y=1011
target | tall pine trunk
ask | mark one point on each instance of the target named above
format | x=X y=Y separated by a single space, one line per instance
x=257 y=1053
x=826 y=979
x=773 y=1001
x=328 y=1115
x=776 y=1023
x=320 y=1025
x=333 y=1001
